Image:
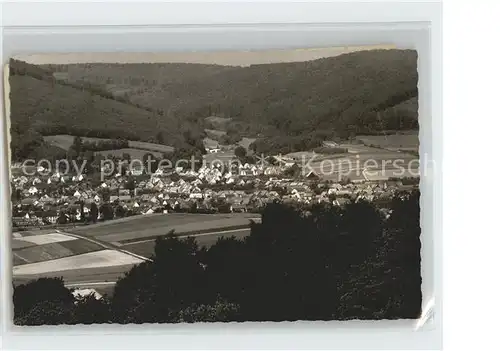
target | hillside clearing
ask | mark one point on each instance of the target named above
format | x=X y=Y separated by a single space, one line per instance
x=64 y=141
x=245 y=142
x=400 y=141
x=215 y=132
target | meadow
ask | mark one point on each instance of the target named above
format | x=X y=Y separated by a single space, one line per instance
x=147 y=227
x=245 y=142
x=355 y=162
x=34 y=247
x=136 y=148
x=407 y=141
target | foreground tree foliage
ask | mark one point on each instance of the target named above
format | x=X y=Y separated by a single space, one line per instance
x=322 y=263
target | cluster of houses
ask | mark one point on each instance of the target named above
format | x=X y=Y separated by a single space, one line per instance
x=55 y=199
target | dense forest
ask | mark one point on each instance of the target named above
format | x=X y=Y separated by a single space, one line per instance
x=360 y=92
x=295 y=96
x=41 y=105
x=317 y=263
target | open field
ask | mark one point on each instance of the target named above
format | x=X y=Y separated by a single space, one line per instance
x=147 y=227
x=99 y=270
x=54 y=251
x=58 y=254
x=407 y=141
x=301 y=155
x=97 y=259
x=89 y=263
x=245 y=142
x=101 y=279
x=376 y=175
x=358 y=148
x=145 y=248
x=43 y=239
x=355 y=163
x=150 y=146
x=64 y=141
x=33 y=248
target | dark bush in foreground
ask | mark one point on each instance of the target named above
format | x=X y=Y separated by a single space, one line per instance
x=321 y=264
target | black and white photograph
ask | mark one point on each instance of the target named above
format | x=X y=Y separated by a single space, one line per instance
x=218 y=186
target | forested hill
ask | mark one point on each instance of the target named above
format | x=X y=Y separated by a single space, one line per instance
x=41 y=105
x=337 y=96
x=329 y=93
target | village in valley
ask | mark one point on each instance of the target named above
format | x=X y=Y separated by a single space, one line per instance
x=173 y=192
x=42 y=197
x=249 y=152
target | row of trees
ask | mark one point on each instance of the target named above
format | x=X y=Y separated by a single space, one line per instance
x=319 y=263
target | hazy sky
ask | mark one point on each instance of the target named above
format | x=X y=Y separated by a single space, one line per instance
x=233 y=58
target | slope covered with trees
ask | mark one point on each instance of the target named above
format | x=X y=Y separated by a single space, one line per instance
x=40 y=105
x=298 y=103
x=337 y=92
x=320 y=263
